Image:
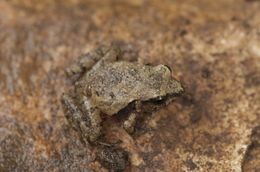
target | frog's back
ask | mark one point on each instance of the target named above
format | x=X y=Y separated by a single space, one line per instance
x=115 y=85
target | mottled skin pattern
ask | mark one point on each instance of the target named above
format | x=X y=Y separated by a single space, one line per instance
x=107 y=85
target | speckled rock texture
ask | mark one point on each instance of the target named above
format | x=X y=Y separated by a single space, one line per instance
x=213 y=48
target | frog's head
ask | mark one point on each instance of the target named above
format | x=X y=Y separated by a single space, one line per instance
x=169 y=85
x=163 y=86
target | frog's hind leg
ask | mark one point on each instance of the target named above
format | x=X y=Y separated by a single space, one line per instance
x=72 y=113
x=88 y=126
x=88 y=60
x=112 y=54
x=93 y=128
x=85 y=62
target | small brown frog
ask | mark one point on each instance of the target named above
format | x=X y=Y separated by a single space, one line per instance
x=108 y=85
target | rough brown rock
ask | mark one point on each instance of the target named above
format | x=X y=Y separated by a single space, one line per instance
x=212 y=46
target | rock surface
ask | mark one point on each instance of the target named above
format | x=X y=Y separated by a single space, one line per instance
x=213 y=48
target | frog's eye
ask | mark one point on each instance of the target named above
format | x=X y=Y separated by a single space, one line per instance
x=164 y=70
x=159 y=100
x=148 y=64
x=168 y=67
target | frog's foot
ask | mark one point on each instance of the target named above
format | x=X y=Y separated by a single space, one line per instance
x=90 y=133
x=129 y=124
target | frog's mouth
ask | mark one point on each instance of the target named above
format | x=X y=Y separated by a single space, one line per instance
x=150 y=105
x=161 y=100
x=158 y=102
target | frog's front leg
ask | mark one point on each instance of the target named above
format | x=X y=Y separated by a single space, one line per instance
x=129 y=124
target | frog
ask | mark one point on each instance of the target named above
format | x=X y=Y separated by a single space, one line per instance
x=108 y=85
